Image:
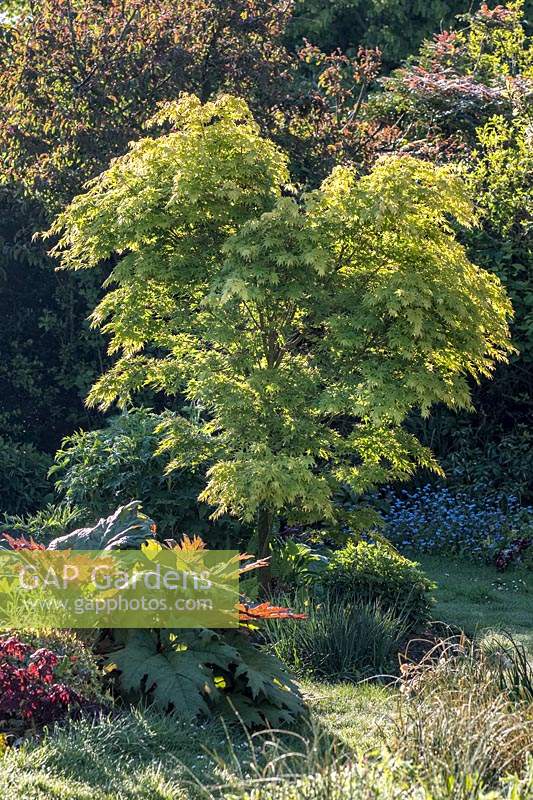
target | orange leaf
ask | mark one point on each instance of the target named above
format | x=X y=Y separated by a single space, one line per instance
x=188 y=544
x=266 y=611
x=21 y=543
x=261 y=562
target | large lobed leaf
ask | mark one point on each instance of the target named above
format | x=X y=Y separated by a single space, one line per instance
x=203 y=672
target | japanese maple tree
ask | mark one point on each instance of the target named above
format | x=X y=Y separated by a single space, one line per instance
x=303 y=329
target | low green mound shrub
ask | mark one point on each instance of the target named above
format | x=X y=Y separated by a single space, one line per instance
x=373 y=571
x=338 y=641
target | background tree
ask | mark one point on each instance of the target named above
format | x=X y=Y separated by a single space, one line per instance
x=11 y=9
x=467 y=99
x=78 y=80
x=396 y=27
x=305 y=329
x=499 y=436
x=325 y=124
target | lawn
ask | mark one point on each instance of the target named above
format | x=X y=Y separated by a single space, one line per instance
x=138 y=756
x=479 y=599
x=145 y=756
x=355 y=714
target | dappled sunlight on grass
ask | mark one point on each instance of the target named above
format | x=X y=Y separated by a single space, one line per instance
x=479 y=599
x=356 y=713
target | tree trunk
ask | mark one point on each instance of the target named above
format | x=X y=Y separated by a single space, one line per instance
x=265 y=524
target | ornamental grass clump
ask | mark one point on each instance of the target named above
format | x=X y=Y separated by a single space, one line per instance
x=458 y=724
x=313 y=764
x=339 y=640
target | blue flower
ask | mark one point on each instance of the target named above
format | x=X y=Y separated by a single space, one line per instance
x=434 y=519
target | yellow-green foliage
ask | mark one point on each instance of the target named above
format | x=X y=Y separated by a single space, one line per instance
x=497 y=50
x=502 y=165
x=365 y=571
x=303 y=329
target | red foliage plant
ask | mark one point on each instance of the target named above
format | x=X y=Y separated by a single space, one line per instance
x=21 y=543
x=30 y=693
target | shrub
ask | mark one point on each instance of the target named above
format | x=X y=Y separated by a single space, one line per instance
x=204 y=673
x=374 y=571
x=517 y=551
x=24 y=485
x=43 y=681
x=99 y=470
x=338 y=641
x=505 y=463
x=434 y=519
x=77 y=665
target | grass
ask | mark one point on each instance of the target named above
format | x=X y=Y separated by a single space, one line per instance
x=459 y=725
x=144 y=756
x=353 y=713
x=338 y=641
x=136 y=756
x=480 y=600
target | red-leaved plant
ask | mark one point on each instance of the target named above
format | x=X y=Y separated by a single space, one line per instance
x=31 y=693
x=20 y=542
